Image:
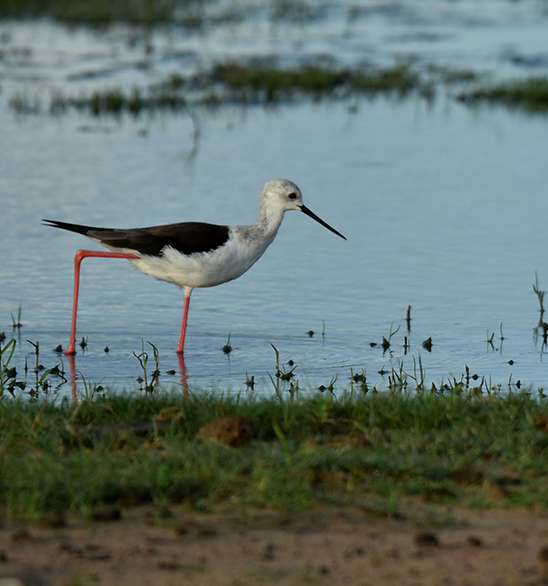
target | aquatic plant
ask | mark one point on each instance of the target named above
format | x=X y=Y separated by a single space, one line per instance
x=143 y=357
x=16 y=323
x=227 y=348
x=540 y=297
x=6 y=372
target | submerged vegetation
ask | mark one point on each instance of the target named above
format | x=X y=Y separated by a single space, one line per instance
x=207 y=451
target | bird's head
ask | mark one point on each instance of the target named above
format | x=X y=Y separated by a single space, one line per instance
x=284 y=195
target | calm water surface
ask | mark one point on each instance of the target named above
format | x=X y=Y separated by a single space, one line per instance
x=444 y=209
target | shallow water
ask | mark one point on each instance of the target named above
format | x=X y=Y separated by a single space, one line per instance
x=444 y=209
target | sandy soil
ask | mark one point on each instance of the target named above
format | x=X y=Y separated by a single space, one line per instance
x=433 y=545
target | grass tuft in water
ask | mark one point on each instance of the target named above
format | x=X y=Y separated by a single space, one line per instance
x=231 y=83
x=530 y=94
x=7 y=373
x=16 y=323
x=148 y=384
x=259 y=83
x=540 y=297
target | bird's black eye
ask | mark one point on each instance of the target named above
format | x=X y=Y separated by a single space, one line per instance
x=292 y=195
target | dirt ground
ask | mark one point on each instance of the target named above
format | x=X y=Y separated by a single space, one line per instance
x=432 y=545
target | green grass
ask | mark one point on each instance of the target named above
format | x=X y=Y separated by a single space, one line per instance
x=271 y=84
x=529 y=95
x=375 y=448
x=103 y=12
x=190 y=13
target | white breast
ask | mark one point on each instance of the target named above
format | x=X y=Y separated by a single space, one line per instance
x=206 y=269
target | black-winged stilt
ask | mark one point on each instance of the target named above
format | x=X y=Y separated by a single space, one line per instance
x=193 y=254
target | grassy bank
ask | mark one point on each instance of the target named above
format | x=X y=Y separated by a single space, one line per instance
x=370 y=450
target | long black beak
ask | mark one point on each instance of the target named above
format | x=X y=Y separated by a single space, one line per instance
x=320 y=221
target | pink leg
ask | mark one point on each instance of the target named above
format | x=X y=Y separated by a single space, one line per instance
x=72 y=366
x=182 y=369
x=80 y=255
x=181 y=344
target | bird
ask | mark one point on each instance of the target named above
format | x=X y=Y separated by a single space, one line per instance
x=192 y=254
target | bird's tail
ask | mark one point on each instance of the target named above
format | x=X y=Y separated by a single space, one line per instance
x=66 y=226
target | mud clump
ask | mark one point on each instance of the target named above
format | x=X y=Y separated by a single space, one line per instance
x=234 y=430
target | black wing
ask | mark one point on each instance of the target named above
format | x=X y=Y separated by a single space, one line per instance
x=186 y=237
